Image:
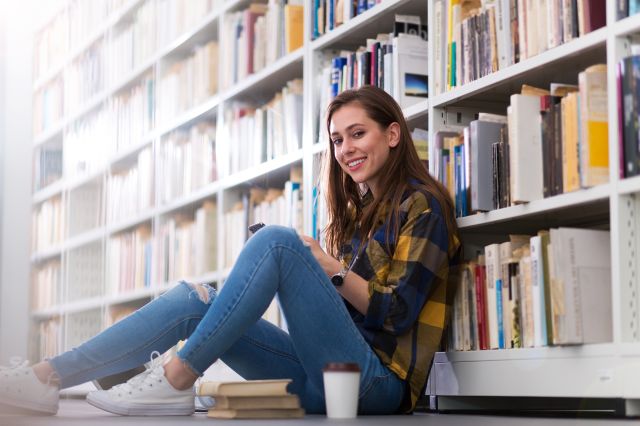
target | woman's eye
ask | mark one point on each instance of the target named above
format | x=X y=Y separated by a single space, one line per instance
x=358 y=134
x=336 y=141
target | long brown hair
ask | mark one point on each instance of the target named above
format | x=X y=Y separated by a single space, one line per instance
x=402 y=171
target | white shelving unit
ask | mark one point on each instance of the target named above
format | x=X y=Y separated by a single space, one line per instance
x=88 y=244
x=609 y=370
x=478 y=380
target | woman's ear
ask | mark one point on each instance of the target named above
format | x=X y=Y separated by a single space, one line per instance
x=393 y=134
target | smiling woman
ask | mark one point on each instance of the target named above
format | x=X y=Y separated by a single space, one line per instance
x=379 y=296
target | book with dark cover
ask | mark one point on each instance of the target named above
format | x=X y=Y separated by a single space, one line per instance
x=546 y=122
x=482 y=135
x=557 y=185
x=631 y=125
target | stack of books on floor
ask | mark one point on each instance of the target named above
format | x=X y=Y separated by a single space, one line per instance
x=252 y=399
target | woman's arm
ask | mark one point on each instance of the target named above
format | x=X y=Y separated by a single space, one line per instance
x=355 y=288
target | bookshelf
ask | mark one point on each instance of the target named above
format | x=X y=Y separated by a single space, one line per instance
x=459 y=379
x=521 y=378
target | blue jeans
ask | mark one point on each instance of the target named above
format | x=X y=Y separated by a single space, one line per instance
x=227 y=325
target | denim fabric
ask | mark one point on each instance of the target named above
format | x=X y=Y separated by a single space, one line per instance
x=228 y=326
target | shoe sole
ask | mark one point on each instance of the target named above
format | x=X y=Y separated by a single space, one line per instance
x=140 y=410
x=29 y=405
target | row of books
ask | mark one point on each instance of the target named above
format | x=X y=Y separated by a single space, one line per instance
x=47 y=282
x=50 y=45
x=553 y=288
x=47 y=106
x=176 y=17
x=396 y=62
x=131 y=44
x=330 y=14
x=273 y=206
x=266 y=132
x=187 y=244
x=498 y=161
x=474 y=38
x=130 y=191
x=187 y=161
x=85 y=18
x=87 y=144
x=260 y=35
x=626 y=8
x=47 y=224
x=129 y=259
x=47 y=165
x=49 y=336
x=131 y=113
x=84 y=78
x=188 y=82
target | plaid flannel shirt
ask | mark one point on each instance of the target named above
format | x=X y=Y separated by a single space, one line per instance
x=409 y=296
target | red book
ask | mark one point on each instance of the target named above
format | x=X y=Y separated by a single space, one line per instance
x=481 y=311
x=595 y=14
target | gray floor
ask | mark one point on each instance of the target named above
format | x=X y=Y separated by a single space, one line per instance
x=78 y=412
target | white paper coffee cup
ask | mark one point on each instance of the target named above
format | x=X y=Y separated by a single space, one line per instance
x=341 y=389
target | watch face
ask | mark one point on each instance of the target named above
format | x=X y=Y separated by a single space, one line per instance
x=337 y=280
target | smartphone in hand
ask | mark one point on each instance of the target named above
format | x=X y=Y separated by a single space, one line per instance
x=256 y=227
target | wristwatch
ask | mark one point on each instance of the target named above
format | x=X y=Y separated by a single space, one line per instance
x=338 y=279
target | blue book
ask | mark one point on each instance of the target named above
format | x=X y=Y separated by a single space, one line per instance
x=337 y=64
x=362 y=6
x=331 y=18
x=499 y=305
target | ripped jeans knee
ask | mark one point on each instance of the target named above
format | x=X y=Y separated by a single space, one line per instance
x=204 y=292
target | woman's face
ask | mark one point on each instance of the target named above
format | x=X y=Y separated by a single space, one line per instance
x=361 y=147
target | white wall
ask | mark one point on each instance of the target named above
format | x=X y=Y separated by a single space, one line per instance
x=15 y=175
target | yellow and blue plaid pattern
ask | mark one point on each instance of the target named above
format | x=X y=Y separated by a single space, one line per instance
x=408 y=289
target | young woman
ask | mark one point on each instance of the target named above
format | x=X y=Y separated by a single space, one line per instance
x=378 y=296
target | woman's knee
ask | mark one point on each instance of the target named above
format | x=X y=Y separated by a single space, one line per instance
x=188 y=291
x=276 y=234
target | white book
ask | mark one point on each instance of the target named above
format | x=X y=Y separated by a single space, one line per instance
x=532 y=27
x=492 y=259
x=525 y=149
x=503 y=33
x=411 y=66
x=537 y=283
x=439 y=46
x=522 y=29
x=582 y=266
x=542 y=28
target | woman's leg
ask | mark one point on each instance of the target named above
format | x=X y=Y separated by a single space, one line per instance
x=157 y=326
x=274 y=261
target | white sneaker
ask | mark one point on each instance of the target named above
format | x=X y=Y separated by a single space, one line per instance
x=147 y=394
x=20 y=388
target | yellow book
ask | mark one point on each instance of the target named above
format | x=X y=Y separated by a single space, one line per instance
x=570 y=176
x=594 y=127
x=256 y=414
x=293 y=27
x=257 y=402
x=245 y=388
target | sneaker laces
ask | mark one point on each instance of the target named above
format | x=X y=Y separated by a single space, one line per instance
x=154 y=370
x=16 y=362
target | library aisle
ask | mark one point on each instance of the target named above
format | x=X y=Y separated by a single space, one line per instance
x=141 y=138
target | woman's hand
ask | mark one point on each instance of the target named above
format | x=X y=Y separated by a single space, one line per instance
x=330 y=265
